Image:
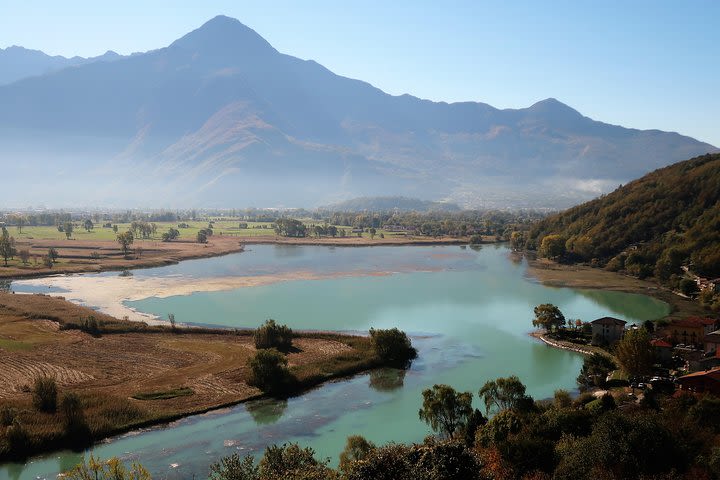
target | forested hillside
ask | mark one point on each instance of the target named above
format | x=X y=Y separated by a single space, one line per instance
x=652 y=226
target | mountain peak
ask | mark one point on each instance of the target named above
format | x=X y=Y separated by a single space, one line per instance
x=222 y=34
x=554 y=107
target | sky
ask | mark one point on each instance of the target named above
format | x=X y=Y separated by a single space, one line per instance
x=641 y=64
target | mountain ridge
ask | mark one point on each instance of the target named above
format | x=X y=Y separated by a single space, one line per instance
x=221 y=107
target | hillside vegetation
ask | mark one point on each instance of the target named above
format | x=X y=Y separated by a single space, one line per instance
x=650 y=227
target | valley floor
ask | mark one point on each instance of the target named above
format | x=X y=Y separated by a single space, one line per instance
x=87 y=256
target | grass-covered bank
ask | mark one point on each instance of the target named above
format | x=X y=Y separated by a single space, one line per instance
x=111 y=376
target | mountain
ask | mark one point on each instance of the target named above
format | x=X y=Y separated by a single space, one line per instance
x=651 y=226
x=386 y=204
x=221 y=118
x=17 y=63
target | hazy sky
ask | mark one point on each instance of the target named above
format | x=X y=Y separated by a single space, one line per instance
x=641 y=63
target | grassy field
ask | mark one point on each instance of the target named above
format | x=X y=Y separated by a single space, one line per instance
x=130 y=375
x=222 y=227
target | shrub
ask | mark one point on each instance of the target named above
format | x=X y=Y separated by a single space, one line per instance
x=77 y=431
x=272 y=335
x=7 y=416
x=269 y=372
x=45 y=394
x=392 y=346
x=18 y=440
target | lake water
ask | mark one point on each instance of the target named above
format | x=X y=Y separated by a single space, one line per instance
x=469 y=313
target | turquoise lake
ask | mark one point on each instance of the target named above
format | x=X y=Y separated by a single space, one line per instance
x=469 y=312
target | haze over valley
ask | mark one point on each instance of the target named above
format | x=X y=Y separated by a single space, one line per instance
x=219 y=118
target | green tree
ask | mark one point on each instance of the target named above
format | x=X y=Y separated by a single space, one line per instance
x=392 y=346
x=548 y=316
x=113 y=469
x=372 y=233
x=356 y=448
x=446 y=410
x=272 y=335
x=269 y=372
x=504 y=394
x=595 y=370
x=7 y=246
x=235 y=467
x=292 y=462
x=77 y=431
x=125 y=240
x=688 y=287
x=635 y=353
x=68 y=228
x=552 y=246
x=88 y=225
x=53 y=254
x=24 y=255
x=45 y=394
x=202 y=236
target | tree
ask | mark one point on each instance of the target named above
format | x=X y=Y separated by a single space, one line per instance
x=552 y=246
x=356 y=448
x=68 y=229
x=372 y=233
x=595 y=370
x=202 y=236
x=635 y=353
x=125 y=240
x=20 y=221
x=272 y=335
x=392 y=346
x=170 y=235
x=445 y=410
x=113 y=469
x=76 y=427
x=7 y=246
x=504 y=394
x=235 y=467
x=548 y=316
x=24 y=255
x=688 y=287
x=45 y=394
x=88 y=225
x=269 y=372
x=53 y=254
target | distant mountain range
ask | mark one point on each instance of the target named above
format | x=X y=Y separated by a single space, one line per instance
x=221 y=118
x=17 y=63
x=386 y=204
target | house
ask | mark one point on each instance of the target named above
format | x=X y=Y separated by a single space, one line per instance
x=712 y=342
x=701 y=382
x=663 y=350
x=607 y=330
x=691 y=330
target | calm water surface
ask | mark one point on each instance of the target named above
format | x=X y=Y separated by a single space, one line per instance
x=469 y=312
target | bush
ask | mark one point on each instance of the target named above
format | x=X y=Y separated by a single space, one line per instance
x=392 y=346
x=45 y=394
x=77 y=431
x=272 y=335
x=269 y=372
x=7 y=416
x=18 y=440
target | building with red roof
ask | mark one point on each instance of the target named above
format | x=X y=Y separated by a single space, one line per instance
x=701 y=382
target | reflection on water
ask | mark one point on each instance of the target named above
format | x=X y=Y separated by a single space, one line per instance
x=387 y=379
x=468 y=311
x=266 y=411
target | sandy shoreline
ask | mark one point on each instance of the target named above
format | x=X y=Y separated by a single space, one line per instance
x=108 y=294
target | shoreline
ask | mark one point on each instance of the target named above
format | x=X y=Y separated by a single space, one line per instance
x=160 y=254
x=556 y=275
